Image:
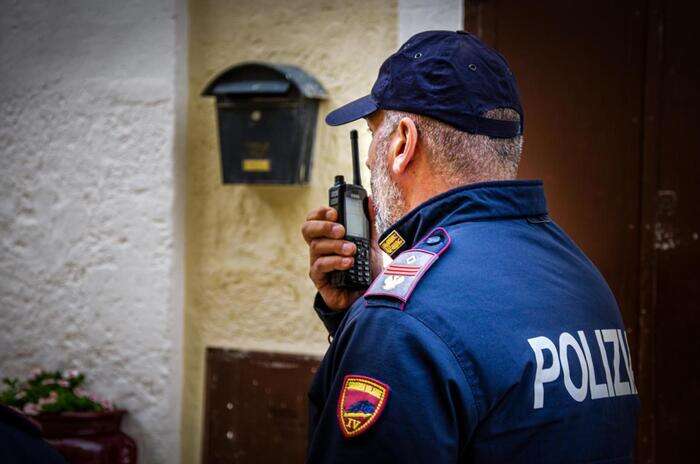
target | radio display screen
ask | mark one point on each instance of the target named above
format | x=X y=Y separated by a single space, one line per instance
x=357 y=225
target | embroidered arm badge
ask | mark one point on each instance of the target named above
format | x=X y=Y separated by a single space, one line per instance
x=361 y=402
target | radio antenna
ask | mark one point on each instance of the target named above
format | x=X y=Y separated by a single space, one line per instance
x=355 y=158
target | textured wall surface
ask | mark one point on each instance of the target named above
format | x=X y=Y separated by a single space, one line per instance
x=247 y=264
x=88 y=204
x=425 y=15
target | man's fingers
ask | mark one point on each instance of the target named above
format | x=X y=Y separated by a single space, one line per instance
x=327 y=246
x=321 y=213
x=321 y=229
x=326 y=264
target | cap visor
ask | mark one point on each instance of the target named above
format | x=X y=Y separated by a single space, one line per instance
x=352 y=111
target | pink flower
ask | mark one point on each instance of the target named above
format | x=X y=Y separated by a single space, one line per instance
x=106 y=404
x=20 y=395
x=80 y=392
x=48 y=382
x=71 y=374
x=30 y=409
x=64 y=383
x=51 y=399
x=34 y=373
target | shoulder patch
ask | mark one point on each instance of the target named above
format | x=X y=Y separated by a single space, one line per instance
x=361 y=402
x=403 y=274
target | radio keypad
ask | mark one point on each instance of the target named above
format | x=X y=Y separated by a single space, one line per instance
x=360 y=273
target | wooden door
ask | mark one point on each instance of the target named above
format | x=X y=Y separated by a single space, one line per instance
x=611 y=99
x=671 y=244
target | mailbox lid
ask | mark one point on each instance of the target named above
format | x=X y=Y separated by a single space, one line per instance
x=251 y=87
x=251 y=79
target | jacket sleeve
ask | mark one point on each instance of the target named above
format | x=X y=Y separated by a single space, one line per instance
x=331 y=319
x=429 y=412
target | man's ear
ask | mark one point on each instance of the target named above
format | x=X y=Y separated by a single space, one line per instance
x=403 y=145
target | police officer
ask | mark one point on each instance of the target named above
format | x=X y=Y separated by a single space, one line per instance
x=490 y=337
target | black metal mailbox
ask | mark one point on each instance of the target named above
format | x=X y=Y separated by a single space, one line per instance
x=267 y=121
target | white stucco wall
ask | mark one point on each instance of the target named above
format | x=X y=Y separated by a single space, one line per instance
x=90 y=216
x=426 y=15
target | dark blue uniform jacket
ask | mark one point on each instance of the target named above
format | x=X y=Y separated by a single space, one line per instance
x=491 y=338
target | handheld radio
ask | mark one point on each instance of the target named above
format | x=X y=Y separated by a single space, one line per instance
x=350 y=200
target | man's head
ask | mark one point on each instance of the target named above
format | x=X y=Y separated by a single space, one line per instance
x=414 y=157
x=444 y=112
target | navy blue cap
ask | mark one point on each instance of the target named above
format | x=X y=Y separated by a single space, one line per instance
x=449 y=76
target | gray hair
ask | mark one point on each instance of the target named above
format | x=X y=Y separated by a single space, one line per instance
x=460 y=157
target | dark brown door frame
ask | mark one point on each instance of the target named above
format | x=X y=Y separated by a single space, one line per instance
x=648 y=254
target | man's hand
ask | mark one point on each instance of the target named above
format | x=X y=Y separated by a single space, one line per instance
x=329 y=252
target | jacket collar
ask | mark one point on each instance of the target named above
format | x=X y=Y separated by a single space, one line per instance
x=473 y=202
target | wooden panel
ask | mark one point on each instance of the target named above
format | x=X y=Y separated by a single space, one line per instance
x=256 y=406
x=676 y=350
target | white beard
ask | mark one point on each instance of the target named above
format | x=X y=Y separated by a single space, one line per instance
x=387 y=198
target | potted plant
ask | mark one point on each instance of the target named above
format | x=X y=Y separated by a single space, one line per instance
x=82 y=426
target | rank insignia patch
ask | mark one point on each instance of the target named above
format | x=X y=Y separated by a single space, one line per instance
x=361 y=401
x=401 y=276
x=392 y=243
x=399 y=279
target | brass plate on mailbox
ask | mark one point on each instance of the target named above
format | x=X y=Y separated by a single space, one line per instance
x=256 y=165
x=256 y=406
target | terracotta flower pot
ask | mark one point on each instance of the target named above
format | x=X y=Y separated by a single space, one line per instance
x=89 y=437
